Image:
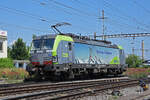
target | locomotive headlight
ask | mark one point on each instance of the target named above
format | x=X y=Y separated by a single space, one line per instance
x=66 y=68
x=48 y=50
x=39 y=51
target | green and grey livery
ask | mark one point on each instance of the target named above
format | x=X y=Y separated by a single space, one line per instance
x=70 y=55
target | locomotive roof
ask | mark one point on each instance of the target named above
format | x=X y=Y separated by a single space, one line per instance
x=80 y=39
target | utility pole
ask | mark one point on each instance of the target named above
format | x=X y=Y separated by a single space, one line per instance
x=133 y=45
x=142 y=49
x=95 y=35
x=132 y=50
x=103 y=27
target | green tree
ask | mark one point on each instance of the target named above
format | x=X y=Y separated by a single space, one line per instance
x=133 y=61
x=19 y=50
x=9 y=52
x=28 y=50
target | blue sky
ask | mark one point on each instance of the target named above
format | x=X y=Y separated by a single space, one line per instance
x=22 y=18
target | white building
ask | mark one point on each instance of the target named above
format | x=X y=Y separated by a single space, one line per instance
x=3 y=44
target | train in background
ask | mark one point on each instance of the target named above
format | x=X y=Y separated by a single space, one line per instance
x=66 y=56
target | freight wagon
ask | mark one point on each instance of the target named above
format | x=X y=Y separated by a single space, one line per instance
x=68 y=56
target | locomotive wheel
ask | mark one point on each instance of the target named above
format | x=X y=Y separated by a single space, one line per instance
x=38 y=76
x=64 y=76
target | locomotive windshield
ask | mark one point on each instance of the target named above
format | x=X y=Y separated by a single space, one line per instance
x=43 y=43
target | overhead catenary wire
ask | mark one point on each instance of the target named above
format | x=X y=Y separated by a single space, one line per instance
x=128 y=17
x=141 y=6
x=124 y=18
x=123 y=24
x=83 y=4
x=71 y=13
x=122 y=27
x=126 y=25
x=56 y=7
x=74 y=9
x=44 y=3
x=27 y=14
x=24 y=27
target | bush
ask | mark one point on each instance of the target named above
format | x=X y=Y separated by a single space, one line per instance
x=6 y=63
x=133 y=61
x=13 y=73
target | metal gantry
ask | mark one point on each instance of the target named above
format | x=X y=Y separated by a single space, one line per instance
x=125 y=35
x=133 y=35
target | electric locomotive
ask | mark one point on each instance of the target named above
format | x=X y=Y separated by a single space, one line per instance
x=67 y=56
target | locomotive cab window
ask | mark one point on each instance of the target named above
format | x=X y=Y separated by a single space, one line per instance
x=70 y=46
x=43 y=43
x=48 y=43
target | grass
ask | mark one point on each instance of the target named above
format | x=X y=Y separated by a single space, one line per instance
x=13 y=73
x=137 y=73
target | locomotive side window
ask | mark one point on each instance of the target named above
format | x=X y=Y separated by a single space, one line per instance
x=70 y=46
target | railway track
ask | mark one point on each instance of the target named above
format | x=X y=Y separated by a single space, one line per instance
x=43 y=82
x=51 y=86
x=74 y=89
x=18 y=84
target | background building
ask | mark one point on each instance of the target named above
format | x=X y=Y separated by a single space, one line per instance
x=3 y=44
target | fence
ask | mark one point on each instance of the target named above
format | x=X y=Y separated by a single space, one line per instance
x=21 y=63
